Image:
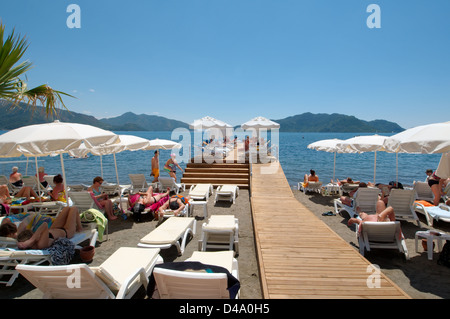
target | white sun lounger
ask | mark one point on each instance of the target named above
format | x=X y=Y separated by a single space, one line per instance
x=220 y=232
x=11 y=257
x=441 y=212
x=169 y=182
x=311 y=187
x=387 y=235
x=226 y=192
x=120 y=276
x=170 y=232
x=402 y=200
x=423 y=191
x=365 y=198
x=176 y=284
x=201 y=191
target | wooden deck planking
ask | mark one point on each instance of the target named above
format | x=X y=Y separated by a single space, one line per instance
x=300 y=256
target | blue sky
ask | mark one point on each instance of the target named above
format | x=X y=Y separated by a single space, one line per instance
x=237 y=59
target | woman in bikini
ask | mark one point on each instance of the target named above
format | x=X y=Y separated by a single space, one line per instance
x=436 y=183
x=148 y=198
x=176 y=203
x=65 y=225
x=171 y=166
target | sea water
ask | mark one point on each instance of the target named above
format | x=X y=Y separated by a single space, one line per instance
x=295 y=158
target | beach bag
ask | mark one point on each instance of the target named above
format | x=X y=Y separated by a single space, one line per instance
x=137 y=211
x=444 y=256
x=62 y=251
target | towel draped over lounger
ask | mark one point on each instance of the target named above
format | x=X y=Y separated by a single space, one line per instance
x=233 y=283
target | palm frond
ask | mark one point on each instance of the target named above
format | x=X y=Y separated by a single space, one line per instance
x=12 y=88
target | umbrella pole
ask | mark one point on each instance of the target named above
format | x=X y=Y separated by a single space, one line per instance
x=375 y=168
x=334 y=167
x=37 y=176
x=101 y=166
x=115 y=164
x=64 y=179
x=396 y=168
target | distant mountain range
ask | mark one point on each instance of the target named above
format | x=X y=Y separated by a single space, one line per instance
x=308 y=122
x=22 y=115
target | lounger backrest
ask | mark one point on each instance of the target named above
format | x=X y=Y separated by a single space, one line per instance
x=366 y=199
x=402 y=200
x=29 y=181
x=66 y=282
x=138 y=181
x=166 y=182
x=201 y=190
x=174 y=284
x=168 y=232
x=381 y=232
x=423 y=191
x=82 y=200
x=49 y=180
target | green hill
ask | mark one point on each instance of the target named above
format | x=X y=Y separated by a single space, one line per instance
x=21 y=115
x=142 y=122
x=309 y=122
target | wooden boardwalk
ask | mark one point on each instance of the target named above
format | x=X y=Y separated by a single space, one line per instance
x=299 y=256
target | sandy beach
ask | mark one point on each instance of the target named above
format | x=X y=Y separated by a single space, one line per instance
x=418 y=277
x=127 y=233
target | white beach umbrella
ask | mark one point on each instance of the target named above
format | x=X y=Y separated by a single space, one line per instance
x=365 y=143
x=260 y=122
x=424 y=139
x=127 y=143
x=330 y=146
x=157 y=144
x=443 y=170
x=208 y=122
x=52 y=139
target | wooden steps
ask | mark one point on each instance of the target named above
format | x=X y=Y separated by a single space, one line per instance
x=217 y=174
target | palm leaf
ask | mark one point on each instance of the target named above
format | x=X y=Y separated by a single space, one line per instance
x=12 y=88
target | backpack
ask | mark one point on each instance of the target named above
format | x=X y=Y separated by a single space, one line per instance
x=444 y=256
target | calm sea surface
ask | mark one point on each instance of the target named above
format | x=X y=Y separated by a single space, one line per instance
x=295 y=158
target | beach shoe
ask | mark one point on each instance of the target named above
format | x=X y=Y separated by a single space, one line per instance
x=330 y=213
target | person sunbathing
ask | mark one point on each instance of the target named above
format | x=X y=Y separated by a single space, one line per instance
x=348 y=180
x=65 y=225
x=386 y=215
x=312 y=177
x=176 y=203
x=148 y=198
x=348 y=200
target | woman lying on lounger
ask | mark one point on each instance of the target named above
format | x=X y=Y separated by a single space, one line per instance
x=176 y=203
x=386 y=215
x=148 y=198
x=65 y=225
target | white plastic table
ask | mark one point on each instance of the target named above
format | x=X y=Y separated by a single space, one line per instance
x=430 y=236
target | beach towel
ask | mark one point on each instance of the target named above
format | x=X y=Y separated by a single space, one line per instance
x=62 y=251
x=438 y=212
x=233 y=284
x=94 y=215
x=424 y=203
